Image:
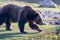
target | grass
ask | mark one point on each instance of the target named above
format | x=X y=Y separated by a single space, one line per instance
x=31 y=35
x=47 y=33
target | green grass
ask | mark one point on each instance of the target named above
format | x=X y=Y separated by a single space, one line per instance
x=16 y=35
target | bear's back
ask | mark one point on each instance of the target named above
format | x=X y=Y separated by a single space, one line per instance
x=12 y=11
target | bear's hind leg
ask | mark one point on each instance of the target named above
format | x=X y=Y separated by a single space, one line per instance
x=8 y=26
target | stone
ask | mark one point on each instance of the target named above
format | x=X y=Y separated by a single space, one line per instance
x=47 y=3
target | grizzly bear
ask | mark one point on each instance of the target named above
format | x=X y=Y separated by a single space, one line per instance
x=13 y=13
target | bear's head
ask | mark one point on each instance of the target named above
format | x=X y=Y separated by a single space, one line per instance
x=38 y=18
x=34 y=15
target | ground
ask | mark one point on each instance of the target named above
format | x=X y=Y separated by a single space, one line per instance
x=48 y=32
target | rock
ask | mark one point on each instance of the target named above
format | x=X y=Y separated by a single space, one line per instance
x=57 y=31
x=47 y=3
x=55 y=16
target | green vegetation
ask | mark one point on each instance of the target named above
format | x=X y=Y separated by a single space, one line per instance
x=46 y=34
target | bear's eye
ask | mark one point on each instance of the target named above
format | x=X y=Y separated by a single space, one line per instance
x=36 y=14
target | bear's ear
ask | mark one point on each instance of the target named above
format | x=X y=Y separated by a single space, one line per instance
x=39 y=11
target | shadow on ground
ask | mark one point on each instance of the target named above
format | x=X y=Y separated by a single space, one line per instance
x=8 y=35
x=3 y=30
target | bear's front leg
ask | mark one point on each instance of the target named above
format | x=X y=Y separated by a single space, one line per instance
x=21 y=24
x=34 y=26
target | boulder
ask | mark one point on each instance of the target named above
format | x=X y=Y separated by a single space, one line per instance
x=51 y=17
x=47 y=3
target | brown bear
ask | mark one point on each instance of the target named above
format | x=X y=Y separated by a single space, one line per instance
x=13 y=13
